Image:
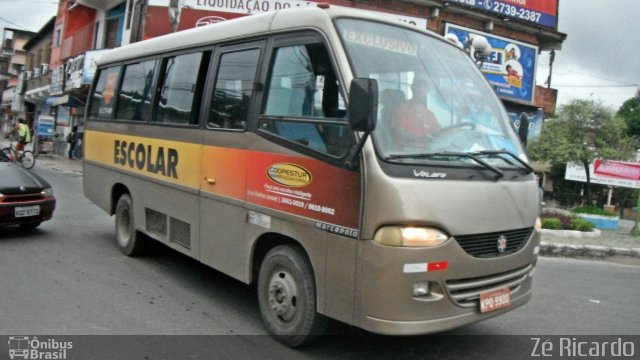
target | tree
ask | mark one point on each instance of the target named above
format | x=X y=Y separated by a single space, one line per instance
x=630 y=113
x=582 y=131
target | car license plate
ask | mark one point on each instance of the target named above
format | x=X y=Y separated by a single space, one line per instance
x=495 y=300
x=24 y=211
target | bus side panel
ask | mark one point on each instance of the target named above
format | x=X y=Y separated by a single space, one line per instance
x=97 y=182
x=340 y=278
x=223 y=216
x=147 y=166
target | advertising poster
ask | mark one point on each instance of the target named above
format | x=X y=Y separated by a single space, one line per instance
x=612 y=173
x=534 y=115
x=538 y=12
x=194 y=13
x=511 y=68
x=89 y=65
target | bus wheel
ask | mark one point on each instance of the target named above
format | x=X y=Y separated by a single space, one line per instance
x=287 y=297
x=131 y=242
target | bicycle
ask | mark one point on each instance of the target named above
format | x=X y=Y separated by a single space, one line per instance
x=24 y=157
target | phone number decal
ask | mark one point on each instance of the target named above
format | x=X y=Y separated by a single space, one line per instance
x=513 y=11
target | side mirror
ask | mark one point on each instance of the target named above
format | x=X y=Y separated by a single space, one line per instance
x=363 y=104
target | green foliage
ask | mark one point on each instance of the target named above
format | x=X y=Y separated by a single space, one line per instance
x=551 y=224
x=582 y=131
x=581 y=225
x=565 y=192
x=629 y=112
x=593 y=210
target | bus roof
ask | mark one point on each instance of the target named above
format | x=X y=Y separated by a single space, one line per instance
x=248 y=26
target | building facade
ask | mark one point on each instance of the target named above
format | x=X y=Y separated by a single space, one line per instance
x=517 y=30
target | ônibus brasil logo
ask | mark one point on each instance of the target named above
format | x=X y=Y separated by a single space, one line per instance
x=32 y=348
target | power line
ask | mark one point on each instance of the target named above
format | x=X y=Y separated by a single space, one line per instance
x=597 y=86
x=599 y=77
x=12 y=23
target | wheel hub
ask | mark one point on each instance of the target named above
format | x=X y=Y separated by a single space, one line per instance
x=283 y=294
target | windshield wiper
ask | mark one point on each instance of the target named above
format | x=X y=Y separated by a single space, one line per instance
x=505 y=152
x=472 y=156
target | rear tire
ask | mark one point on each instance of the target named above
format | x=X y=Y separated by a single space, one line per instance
x=287 y=297
x=130 y=241
x=27 y=159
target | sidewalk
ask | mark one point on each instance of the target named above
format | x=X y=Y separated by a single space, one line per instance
x=610 y=244
x=617 y=245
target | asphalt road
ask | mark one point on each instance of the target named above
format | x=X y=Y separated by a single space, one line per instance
x=69 y=278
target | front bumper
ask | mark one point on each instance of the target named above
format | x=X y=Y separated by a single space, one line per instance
x=386 y=304
x=7 y=212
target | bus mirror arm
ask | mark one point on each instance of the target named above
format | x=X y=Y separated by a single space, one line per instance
x=351 y=161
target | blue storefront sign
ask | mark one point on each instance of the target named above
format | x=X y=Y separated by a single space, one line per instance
x=45 y=125
x=511 y=68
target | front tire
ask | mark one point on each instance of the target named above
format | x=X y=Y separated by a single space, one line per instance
x=287 y=297
x=130 y=241
x=27 y=159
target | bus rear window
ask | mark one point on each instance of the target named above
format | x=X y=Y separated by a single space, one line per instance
x=103 y=97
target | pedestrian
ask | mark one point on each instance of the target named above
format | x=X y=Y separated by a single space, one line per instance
x=24 y=134
x=71 y=140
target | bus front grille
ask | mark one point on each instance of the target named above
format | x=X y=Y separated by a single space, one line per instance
x=487 y=245
x=466 y=292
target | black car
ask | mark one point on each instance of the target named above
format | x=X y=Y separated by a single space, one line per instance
x=26 y=199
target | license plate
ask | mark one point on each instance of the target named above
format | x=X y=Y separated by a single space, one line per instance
x=495 y=300
x=24 y=211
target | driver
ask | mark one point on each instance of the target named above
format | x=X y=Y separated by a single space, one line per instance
x=414 y=122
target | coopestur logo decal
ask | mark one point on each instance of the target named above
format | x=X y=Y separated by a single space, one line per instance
x=288 y=174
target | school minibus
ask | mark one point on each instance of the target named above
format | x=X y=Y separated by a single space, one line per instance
x=267 y=148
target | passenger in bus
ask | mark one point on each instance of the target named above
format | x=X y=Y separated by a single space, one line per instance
x=414 y=122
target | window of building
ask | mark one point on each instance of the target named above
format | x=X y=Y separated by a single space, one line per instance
x=304 y=104
x=134 y=100
x=57 y=36
x=103 y=98
x=181 y=88
x=234 y=86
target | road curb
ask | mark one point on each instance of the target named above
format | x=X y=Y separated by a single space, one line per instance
x=590 y=251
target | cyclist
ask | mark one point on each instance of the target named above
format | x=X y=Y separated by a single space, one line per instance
x=23 y=132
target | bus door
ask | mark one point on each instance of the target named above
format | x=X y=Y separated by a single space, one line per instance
x=225 y=154
x=302 y=173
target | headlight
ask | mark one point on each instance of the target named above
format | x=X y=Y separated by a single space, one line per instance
x=538 y=225
x=47 y=192
x=410 y=236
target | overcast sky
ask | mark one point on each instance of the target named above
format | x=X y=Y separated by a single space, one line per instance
x=599 y=60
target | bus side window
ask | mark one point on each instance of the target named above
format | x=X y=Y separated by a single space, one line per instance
x=303 y=87
x=180 y=88
x=134 y=100
x=234 y=86
x=102 y=99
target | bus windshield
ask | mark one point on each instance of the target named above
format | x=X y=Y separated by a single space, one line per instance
x=432 y=98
